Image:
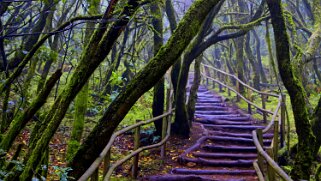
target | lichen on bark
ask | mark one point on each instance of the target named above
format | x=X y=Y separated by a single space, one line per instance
x=151 y=74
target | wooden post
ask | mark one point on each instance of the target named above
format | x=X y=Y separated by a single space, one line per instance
x=259 y=157
x=94 y=176
x=270 y=170
x=136 y=146
x=165 y=120
x=219 y=77
x=164 y=129
x=238 y=90
x=106 y=163
x=228 y=81
x=213 y=78
x=263 y=106
x=249 y=108
x=206 y=82
x=276 y=141
x=282 y=128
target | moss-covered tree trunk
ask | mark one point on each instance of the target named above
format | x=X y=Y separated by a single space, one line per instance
x=99 y=46
x=79 y=121
x=170 y=12
x=306 y=139
x=259 y=58
x=19 y=123
x=150 y=75
x=181 y=125
x=239 y=45
x=251 y=58
x=159 y=88
x=193 y=92
x=81 y=100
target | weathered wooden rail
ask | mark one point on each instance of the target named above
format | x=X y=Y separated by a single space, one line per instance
x=266 y=164
x=93 y=171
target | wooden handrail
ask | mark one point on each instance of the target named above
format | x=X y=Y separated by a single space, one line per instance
x=275 y=114
x=269 y=160
x=102 y=155
x=240 y=81
x=115 y=165
x=274 y=144
x=245 y=99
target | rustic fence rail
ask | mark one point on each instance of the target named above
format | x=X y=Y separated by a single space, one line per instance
x=265 y=165
x=93 y=171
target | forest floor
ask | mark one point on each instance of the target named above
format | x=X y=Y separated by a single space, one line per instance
x=150 y=162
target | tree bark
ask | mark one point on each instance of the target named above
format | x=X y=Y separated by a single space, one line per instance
x=251 y=58
x=306 y=139
x=170 y=11
x=150 y=75
x=159 y=88
x=18 y=124
x=99 y=46
x=193 y=92
x=181 y=125
x=259 y=58
x=81 y=100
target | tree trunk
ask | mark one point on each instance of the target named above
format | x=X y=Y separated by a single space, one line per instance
x=306 y=139
x=181 y=125
x=259 y=58
x=170 y=12
x=193 y=92
x=251 y=58
x=159 y=88
x=239 y=45
x=150 y=75
x=19 y=123
x=81 y=100
x=99 y=46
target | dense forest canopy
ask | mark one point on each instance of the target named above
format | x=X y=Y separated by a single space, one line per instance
x=90 y=67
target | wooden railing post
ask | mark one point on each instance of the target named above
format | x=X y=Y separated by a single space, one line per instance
x=165 y=120
x=219 y=77
x=263 y=97
x=270 y=170
x=249 y=108
x=228 y=81
x=95 y=176
x=259 y=157
x=213 y=78
x=106 y=163
x=282 y=128
x=136 y=146
x=276 y=141
x=238 y=90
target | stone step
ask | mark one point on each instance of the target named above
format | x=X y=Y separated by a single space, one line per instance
x=211 y=104
x=209 y=101
x=243 y=135
x=236 y=140
x=210 y=117
x=230 y=148
x=215 y=112
x=224 y=117
x=234 y=127
x=212 y=172
x=225 y=155
x=224 y=122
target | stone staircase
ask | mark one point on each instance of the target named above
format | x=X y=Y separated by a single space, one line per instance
x=226 y=150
